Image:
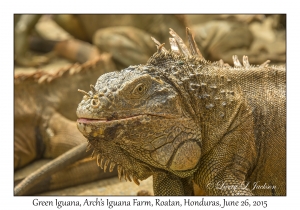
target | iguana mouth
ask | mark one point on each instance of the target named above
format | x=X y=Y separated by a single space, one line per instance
x=121 y=119
x=107 y=120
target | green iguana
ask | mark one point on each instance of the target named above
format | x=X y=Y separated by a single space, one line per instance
x=192 y=105
x=185 y=120
x=45 y=125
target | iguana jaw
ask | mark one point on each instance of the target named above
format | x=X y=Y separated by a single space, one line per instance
x=163 y=146
x=107 y=138
x=95 y=127
x=115 y=116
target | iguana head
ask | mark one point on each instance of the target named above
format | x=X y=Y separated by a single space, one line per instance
x=138 y=119
x=141 y=117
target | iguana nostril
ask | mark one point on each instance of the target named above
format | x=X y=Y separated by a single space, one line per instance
x=95 y=103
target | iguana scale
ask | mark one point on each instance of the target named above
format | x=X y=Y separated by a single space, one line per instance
x=185 y=120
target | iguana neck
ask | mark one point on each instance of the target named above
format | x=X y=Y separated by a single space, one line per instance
x=209 y=97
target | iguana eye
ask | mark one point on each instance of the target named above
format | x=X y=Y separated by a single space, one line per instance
x=139 y=90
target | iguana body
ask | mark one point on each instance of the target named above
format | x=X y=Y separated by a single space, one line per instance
x=44 y=121
x=183 y=119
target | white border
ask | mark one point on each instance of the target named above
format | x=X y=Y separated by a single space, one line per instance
x=8 y=8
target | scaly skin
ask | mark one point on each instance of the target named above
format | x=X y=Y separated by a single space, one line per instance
x=183 y=119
